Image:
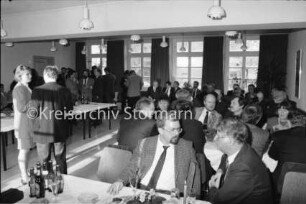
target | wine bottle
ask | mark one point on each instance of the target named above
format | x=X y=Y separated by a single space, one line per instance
x=44 y=175
x=39 y=184
x=32 y=183
x=60 y=179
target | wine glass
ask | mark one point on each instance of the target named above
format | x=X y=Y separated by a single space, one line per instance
x=54 y=184
x=191 y=196
x=133 y=186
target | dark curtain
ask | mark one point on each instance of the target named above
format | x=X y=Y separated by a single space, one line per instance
x=115 y=60
x=160 y=62
x=80 y=59
x=213 y=61
x=272 y=62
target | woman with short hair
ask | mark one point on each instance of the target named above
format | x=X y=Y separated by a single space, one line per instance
x=22 y=124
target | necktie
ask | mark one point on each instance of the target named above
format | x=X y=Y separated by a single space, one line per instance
x=158 y=168
x=205 y=120
x=225 y=165
x=194 y=93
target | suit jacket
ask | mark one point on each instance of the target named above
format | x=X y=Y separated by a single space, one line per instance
x=21 y=100
x=143 y=157
x=171 y=97
x=156 y=95
x=246 y=181
x=213 y=119
x=178 y=88
x=74 y=89
x=259 y=139
x=98 y=89
x=109 y=87
x=86 y=89
x=49 y=126
x=132 y=130
x=288 y=146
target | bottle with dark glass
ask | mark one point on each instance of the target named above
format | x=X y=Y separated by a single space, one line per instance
x=38 y=166
x=82 y=100
x=32 y=183
x=39 y=184
x=44 y=175
x=50 y=175
x=60 y=179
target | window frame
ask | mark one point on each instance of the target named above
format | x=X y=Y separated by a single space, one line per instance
x=89 y=55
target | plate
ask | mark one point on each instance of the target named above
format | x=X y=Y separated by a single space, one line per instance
x=88 y=197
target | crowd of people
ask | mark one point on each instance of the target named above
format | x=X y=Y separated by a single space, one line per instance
x=213 y=142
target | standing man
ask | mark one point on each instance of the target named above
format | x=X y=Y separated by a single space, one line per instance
x=86 y=85
x=98 y=88
x=169 y=92
x=207 y=114
x=109 y=95
x=197 y=98
x=134 y=84
x=242 y=178
x=155 y=92
x=176 y=86
x=48 y=106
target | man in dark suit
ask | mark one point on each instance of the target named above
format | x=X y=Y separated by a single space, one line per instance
x=169 y=92
x=109 y=87
x=288 y=146
x=162 y=162
x=133 y=129
x=155 y=92
x=86 y=85
x=176 y=86
x=242 y=177
x=98 y=87
x=49 y=107
x=196 y=95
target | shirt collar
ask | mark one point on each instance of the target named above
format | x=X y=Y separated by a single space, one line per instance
x=161 y=144
x=231 y=158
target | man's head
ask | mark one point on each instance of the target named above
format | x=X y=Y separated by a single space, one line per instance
x=51 y=73
x=210 y=102
x=219 y=93
x=260 y=96
x=195 y=84
x=231 y=135
x=237 y=105
x=183 y=94
x=2 y=87
x=155 y=83
x=97 y=72
x=85 y=73
x=210 y=87
x=169 y=128
x=279 y=95
x=235 y=86
x=106 y=70
x=251 y=114
x=251 y=88
x=132 y=72
x=168 y=84
x=163 y=104
x=145 y=106
x=176 y=84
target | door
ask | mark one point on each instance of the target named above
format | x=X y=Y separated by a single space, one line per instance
x=40 y=62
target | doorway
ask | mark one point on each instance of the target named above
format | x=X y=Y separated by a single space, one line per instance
x=40 y=62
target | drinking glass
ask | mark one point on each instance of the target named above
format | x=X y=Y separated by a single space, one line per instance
x=54 y=184
x=191 y=196
x=133 y=184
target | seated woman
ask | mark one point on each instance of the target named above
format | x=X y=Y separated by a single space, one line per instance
x=282 y=122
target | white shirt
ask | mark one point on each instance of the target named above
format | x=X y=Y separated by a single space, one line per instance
x=213 y=154
x=231 y=158
x=168 y=91
x=202 y=116
x=166 y=179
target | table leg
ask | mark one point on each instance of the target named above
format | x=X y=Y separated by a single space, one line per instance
x=4 y=150
x=84 y=128
x=13 y=137
x=109 y=119
x=89 y=127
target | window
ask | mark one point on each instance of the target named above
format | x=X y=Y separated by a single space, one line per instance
x=241 y=66
x=96 y=55
x=187 y=65
x=139 y=59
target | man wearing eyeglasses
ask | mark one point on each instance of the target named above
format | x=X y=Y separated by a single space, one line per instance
x=162 y=162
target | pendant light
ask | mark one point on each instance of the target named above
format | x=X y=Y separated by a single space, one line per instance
x=3 y=32
x=84 y=50
x=182 y=48
x=216 y=12
x=53 y=48
x=86 y=23
x=164 y=43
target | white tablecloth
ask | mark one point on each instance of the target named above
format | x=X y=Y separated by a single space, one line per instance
x=84 y=108
x=7 y=124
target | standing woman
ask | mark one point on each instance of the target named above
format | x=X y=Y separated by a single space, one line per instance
x=22 y=123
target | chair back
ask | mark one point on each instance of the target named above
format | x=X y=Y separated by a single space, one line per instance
x=112 y=161
x=287 y=167
x=293 y=191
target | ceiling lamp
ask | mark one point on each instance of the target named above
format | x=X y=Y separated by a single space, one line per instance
x=183 y=49
x=244 y=47
x=135 y=37
x=164 y=43
x=9 y=44
x=239 y=38
x=63 y=42
x=53 y=48
x=3 y=32
x=84 y=50
x=216 y=12
x=86 y=23
x=231 y=34
x=131 y=49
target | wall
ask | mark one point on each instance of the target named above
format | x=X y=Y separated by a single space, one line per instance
x=143 y=17
x=22 y=53
x=297 y=40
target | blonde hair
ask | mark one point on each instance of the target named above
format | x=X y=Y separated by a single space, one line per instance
x=20 y=70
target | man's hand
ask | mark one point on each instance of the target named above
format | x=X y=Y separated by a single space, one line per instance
x=215 y=180
x=115 y=188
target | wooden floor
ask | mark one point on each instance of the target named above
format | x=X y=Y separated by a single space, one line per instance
x=82 y=155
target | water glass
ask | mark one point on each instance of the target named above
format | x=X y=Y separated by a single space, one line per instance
x=191 y=197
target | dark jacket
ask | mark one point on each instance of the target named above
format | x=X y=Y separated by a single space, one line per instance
x=52 y=101
x=246 y=182
x=156 y=95
x=97 y=91
x=109 y=88
x=171 y=97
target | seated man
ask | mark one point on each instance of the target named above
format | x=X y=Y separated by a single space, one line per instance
x=134 y=127
x=242 y=178
x=163 y=162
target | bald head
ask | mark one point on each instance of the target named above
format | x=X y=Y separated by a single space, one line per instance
x=210 y=102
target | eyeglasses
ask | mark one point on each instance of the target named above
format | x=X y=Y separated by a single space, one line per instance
x=176 y=130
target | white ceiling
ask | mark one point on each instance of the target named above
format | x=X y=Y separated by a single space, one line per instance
x=18 y=6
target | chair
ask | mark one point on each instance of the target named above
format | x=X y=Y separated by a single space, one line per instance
x=293 y=191
x=112 y=161
x=288 y=167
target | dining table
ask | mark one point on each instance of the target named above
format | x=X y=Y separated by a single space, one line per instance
x=7 y=125
x=77 y=188
x=85 y=112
